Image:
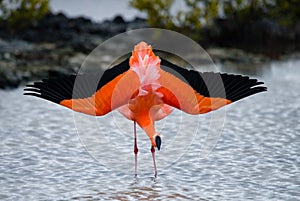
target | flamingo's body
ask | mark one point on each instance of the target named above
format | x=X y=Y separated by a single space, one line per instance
x=144 y=92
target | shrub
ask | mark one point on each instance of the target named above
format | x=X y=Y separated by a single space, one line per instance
x=22 y=13
x=188 y=21
x=199 y=13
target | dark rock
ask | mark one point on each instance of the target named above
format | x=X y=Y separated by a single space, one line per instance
x=9 y=79
x=137 y=23
x=83 y=44
x=75 y=32
x=71 y=32
x=118 y=20
x=45 y=48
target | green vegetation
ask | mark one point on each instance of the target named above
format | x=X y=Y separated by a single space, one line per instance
x=287 y=13
x=200 y=13
x=159 y=14
x=21 y=13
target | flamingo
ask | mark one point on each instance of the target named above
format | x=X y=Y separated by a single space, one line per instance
x=145 y=88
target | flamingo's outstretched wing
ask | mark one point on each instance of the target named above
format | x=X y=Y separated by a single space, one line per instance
x=86 y=93
x=195 y=92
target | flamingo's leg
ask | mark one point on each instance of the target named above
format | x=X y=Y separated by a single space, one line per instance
x=153 y=156
x=135 y=150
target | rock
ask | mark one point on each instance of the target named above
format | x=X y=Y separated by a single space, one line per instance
x=231 y=55
x=21 y=61
x=53 y=46
x=118 y=20
x=138 y=23
x=9 y=78
x=14 y=46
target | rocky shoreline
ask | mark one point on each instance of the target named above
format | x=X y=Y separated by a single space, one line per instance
x=53 y=46
x=58 y=45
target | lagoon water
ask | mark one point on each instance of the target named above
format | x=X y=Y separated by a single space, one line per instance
x=42 y=157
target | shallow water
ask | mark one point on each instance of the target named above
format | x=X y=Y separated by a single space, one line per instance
x=256 y=157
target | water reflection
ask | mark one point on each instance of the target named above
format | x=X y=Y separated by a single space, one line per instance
x=145 y=188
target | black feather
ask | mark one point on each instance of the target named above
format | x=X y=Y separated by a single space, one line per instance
x=218 y=85
x=62 y=88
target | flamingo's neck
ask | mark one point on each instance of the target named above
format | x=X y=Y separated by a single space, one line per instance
x=147 y=106
x=146 y=64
